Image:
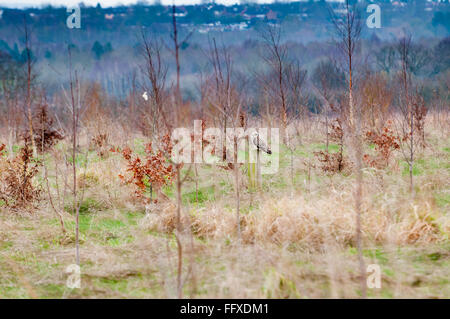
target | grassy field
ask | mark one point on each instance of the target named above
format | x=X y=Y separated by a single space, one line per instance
x=298 y=233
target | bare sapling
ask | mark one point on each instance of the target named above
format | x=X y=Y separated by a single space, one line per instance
x=226 y=100
x=283 y=83
x=30 y=78
x=178 y=166
x=76 y=108
x=412 y=110
x=348 y=30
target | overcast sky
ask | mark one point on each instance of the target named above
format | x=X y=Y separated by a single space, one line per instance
x=104 y=3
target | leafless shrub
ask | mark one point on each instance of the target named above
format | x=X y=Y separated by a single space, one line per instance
x=376 y=96
x=282 y=84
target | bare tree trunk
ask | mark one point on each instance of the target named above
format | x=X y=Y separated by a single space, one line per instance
x=358 y=197
x=177 y=60
x=75 y=109
x=258 y=169
x=326 y=127
x=178 y=197
x=196 y=183
x=236 y=181
x=10 y=144
x=411 y=156
x=28 y=97
x=58 y=213
x=179 y=266
x=404 y=48
x=292 y=166
x=180 y=181
x=74 y=156
x=283 y=100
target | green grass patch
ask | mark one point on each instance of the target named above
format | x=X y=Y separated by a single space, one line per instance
x=115 y=241
x=119 y=285
x=85 y=222
x=132 y=218
x=168 y=190
x=89 y=205
x=203 y=195
x=377 y=254
x=416 y=170
x=6 y=245
x=424 y=166
x=111 y=224
x=13 y=292
x=434 y=256
x=322 y=147
x=51 y=291
x=442 y=199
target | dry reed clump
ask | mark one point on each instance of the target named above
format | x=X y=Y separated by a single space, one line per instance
x=422 y=224
x=87 y=180
x=314 y=223
x=279 y=285
x=205 y=223
x=162 y=218
x=290 y=220
x=99 y=179
x=213 y=223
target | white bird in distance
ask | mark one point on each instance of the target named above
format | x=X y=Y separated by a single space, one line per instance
x=145 y=96
x=259 y=143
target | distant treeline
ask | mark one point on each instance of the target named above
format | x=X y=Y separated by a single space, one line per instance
x=107 y=47
x=433 y=14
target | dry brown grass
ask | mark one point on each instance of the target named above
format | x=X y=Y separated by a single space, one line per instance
x=296 y=220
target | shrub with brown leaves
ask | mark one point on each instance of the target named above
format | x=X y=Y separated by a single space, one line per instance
x=385 y=142
x=99 y=142
x=420 y=112
x=334 y=162
x=151 y=172
x=16 y=179
x=330 y=162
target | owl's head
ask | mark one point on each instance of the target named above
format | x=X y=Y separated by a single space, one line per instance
x=254 y=135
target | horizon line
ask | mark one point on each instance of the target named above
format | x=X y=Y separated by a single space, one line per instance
x=127 y=3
